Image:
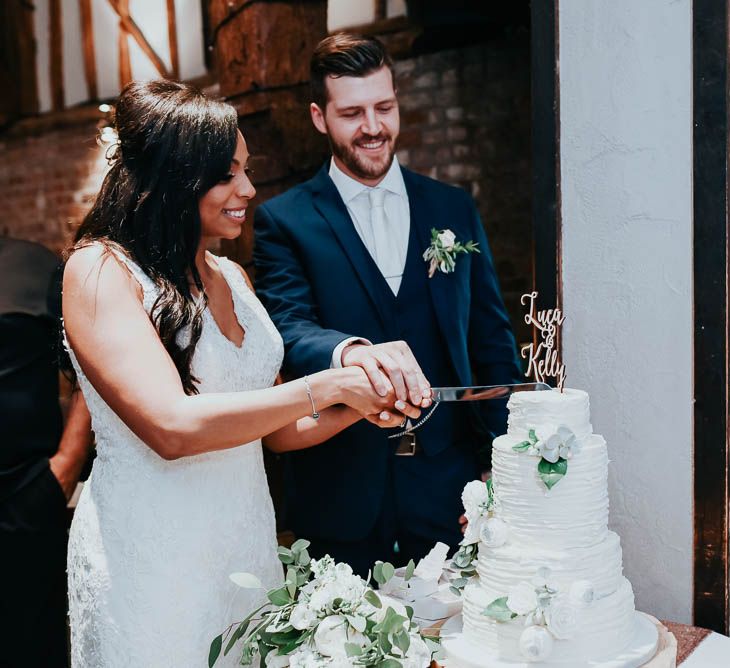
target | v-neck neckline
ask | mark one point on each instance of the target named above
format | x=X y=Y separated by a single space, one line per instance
x=237 y=346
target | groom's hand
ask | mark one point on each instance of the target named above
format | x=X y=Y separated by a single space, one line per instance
x=389 y=365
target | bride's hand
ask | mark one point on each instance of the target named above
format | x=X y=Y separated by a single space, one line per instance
x=359 y=394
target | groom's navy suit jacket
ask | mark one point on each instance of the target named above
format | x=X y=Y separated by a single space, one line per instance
x=320 y=286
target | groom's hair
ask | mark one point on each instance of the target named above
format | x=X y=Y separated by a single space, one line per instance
x=345 y=55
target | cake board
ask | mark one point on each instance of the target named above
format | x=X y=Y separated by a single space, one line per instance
x=652 y=646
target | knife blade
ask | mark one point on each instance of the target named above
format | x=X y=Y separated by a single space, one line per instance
x=484 y=392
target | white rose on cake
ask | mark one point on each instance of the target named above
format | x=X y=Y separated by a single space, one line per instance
x=493 y=532
x=474 y=497
x=562 y=617
x=536 y=643
x=522 y=598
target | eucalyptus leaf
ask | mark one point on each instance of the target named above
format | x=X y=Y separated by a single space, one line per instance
x=551 y=473
x=409 y=612
x=246 y=580
x=358 y=623
x=279 y=596
x=378 y=572
x=499 y=611
x=215 y=650
x=372 y=598
x=454 y=590
x=303 y=558
x=410 y=569
x=353 y=649
x=459 y=582
x=402 y=640
x=299 y=545
x=388 y=571
x=237 y=634
x=385 y=644
x=390 y=663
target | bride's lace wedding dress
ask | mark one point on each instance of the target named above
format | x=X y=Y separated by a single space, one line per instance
x=152 y=541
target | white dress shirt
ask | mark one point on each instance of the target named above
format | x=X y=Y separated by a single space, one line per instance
x=356 y=197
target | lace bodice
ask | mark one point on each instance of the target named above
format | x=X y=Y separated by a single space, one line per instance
x=153 y=541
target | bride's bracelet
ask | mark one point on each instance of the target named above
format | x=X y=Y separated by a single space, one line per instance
x=308 y=388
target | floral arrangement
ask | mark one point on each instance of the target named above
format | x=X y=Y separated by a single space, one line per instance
x=555 y=446
x=325 y=616
x=548 y=614
x=441 y=253
x=479 y=504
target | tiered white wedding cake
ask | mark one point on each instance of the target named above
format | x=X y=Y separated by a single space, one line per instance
x=549 y=587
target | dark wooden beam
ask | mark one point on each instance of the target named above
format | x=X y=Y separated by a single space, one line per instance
x=172 y=39
x=122 y=10
x=125 y=64
x=546 y=219
x=710 y=231
x=56 y=64
x=87 y=34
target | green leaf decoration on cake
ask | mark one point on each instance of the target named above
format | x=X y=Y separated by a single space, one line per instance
x=522 y=447
x=552 y=473
x=499 y=611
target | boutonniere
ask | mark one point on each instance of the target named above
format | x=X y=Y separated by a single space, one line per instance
x=444 y=248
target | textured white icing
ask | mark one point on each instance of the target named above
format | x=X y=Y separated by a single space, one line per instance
x=529 y=410
x=605 y=628
x=574 y=513
x=563 y=529
x=501 y=568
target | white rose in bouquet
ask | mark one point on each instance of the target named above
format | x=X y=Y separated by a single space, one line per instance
x=302 y=617
x=332 y=634
x=447 y=239
x=562 y=617
x=522 y=598
x=273 y=660
x=536 y=643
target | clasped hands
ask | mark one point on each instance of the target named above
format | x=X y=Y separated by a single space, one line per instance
x=398 y=389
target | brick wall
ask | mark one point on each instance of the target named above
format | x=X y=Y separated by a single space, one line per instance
x=47 y=183
x=465 y=119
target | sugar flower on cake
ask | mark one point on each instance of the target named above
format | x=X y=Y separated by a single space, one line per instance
x=493 y=532
x=582 y=593
x=477 y=498
x=536 y=644
x=562 y=617
x=522 y=598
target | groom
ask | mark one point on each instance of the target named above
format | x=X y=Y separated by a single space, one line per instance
x=340 y=269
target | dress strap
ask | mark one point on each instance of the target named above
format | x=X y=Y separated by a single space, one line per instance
x=149 y=289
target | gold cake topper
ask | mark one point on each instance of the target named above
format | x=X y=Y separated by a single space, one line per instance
x=543 y=356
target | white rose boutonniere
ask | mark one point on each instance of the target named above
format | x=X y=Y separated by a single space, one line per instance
x=441 y=253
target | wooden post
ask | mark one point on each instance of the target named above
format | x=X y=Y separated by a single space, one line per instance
x=172 y=39
x=87 y=32
x=56 y=64
x=125 y=65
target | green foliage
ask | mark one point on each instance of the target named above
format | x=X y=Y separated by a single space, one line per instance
x=215 y=650
x=552 y=473
x=499 y=611
x=410 y=569
x=522 y=447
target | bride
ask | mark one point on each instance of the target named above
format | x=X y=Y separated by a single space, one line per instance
x=178 y=363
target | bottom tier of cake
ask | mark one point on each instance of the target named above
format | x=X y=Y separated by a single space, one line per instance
x=604 y=628
x=637 y=649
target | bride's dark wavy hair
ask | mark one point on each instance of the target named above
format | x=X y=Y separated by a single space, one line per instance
x=174 y=145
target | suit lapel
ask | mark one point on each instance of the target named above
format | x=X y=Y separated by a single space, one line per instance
x=440 y=288
x=329 y=204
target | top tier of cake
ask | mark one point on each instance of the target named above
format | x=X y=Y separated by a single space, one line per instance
x=528 y=410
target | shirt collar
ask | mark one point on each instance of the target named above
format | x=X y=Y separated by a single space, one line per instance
x=350 y=188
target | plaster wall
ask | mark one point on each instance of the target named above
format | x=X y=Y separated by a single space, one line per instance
x=626 y=170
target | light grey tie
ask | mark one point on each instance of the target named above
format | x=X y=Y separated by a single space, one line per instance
x=386 y=254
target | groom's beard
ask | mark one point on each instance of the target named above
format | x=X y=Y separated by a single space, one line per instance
x=361 y=165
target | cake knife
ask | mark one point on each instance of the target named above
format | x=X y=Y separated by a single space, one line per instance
x=481 y=392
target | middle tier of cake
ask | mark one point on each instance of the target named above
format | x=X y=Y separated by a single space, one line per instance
x=501 y=568
x=574 y=513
